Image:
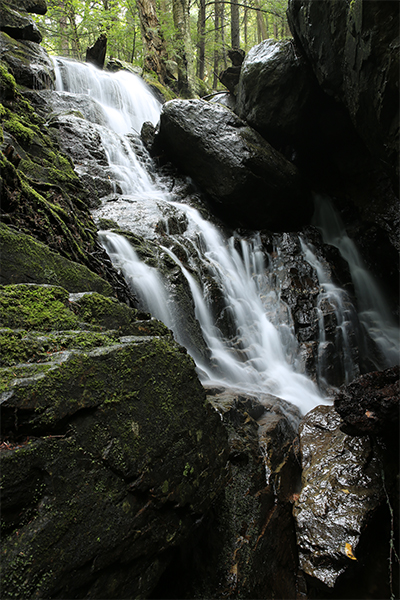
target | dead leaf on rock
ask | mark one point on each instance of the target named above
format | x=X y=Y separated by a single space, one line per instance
x=349 y=551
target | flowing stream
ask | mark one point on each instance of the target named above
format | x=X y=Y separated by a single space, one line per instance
x=374 y=313
x=260 y=354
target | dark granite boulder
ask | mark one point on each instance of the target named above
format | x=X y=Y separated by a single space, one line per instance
x=370 y=405
x=249 y=182
x=343 y=520
x=28 y=62
x=277 y=92
x=17 y=25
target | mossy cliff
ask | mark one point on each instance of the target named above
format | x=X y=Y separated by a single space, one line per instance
x=110 y=452
x=42 y=197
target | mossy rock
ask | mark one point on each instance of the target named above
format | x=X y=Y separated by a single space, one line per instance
x=22 y=346
x=28 y=62
x=26 y=260
x=111 y=459
x=36 y=307
x=51 y=308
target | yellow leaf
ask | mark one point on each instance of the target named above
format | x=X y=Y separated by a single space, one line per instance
x=349 y=551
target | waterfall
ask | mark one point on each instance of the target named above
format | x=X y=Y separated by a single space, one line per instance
x=259 y=355
x=374 y=313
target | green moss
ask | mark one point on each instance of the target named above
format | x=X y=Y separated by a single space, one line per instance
x=15 y=127
x=7 y=83
x=152 y=81
x=35 y=307
x=21 y=346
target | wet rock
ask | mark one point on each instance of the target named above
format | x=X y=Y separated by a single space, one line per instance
x=226 y=99
x=249 y=182
x=246 y=548
x=28 y=62
x=113 y=457
x=38 y=7
x=370 y=405
x=147 y=135
x=277 y=92
x=341 y=490
x=18 y=26
x=353 y=50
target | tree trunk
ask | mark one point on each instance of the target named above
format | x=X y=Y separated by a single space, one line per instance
x=64 y=45
x=183 y=47
x=222 y=27
x=96 y=54
x=153 y=40
x=246 y=10
x=201 y=45
x=216 y=43
x=235 y=30
x=262 y=31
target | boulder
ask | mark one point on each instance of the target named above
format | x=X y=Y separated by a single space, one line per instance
x=18 y=25
x=248 y=181
x=277 y=92
x=370 y=405
x=38 y=7
x=28 y=62
x=113 y=456
x=342 y=518
x=25 y=260
x=246 y=548
x=353 y=48
x=225 y=98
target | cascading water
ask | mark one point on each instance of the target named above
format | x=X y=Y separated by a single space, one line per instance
x=260 y=355
x=374 y=313
x=347 y=340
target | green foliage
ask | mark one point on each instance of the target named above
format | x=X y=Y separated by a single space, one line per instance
x=70 y=27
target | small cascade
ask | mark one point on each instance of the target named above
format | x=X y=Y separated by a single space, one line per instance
x=340 y=336
x=374 y=313
x=118 y=105
x=143 y=279
x=123 y=96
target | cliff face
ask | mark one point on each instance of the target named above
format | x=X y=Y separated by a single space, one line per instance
x=353 y=49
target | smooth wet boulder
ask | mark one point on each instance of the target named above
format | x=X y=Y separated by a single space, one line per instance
x=353 y=48
x=342 y=515
x=113 y=455
x=277 y=92
x=38 y=7
x=248 y=181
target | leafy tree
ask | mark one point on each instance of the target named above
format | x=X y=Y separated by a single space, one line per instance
x=164 y=36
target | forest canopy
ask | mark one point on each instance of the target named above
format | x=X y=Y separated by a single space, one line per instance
x=192 y=37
